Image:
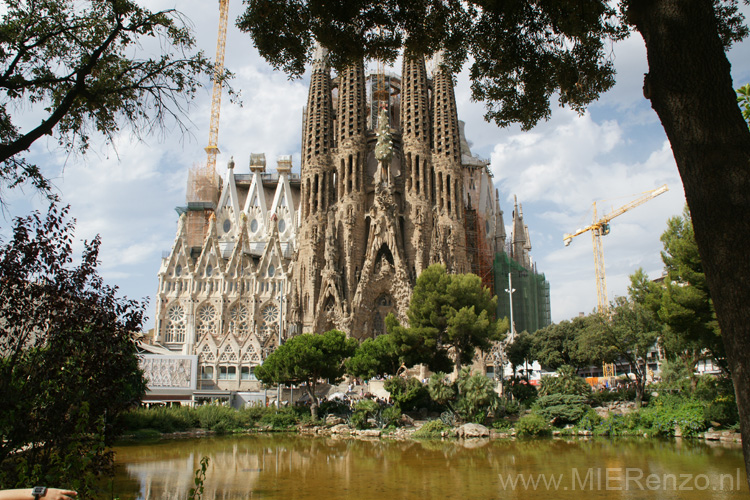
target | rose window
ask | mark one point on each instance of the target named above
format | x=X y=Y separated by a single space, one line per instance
x=270 y=316
x=175 y=329
x=238 y=321
x=206 y=323
x=176 y=313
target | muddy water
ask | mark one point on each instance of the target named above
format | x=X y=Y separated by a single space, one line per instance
x=302 y=467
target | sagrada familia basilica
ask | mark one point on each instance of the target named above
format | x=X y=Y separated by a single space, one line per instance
x=387 y=186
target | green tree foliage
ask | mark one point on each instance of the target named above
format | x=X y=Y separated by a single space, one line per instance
x=522 y=52
x=68 y=363
x=686 y=305
x=629 y=333
x=558 y=344
x=743 y=99
x=471 y=397
x=449 y=311
x=519 y=351
x=407 y=394
x=567 y=381
x=74 y=65
x=561 y=409
x=307 y=359
x=378 y=356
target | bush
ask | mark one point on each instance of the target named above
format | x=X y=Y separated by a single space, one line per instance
x=722 y=410
x=431 y=429
x=532 y=425
x=667 y=412
x=507 y=407
x=590 y=420
x=252 y=414
x=162 y=419
x=282 y=419
x=562 y=408
x=521 y=390
x=408 y=394
x=502 y=425
x=601 y=398
x=566 y=381
x=363 y=410
x=389 y=416
x=217 y=418
x=477 y=396
x=334 y=407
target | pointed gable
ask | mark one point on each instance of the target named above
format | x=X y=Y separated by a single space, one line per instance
x=255 y=208
x=178 y=263
x=210 y=263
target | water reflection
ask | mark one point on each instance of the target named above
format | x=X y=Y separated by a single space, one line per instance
x=304 y=467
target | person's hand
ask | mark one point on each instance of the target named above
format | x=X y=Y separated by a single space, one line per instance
x=58 y=494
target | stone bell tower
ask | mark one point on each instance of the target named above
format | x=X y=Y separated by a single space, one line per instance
x=381 y=195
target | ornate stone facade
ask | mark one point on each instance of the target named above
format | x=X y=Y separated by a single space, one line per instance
x=382 y=199
x=225 y=300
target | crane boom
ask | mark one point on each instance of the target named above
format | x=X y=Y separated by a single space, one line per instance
x=213 y=135
x=600 y=227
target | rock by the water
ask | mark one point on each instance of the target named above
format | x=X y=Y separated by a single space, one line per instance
x=472 y=431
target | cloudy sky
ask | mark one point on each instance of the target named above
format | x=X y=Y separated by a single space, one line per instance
x=617 y=150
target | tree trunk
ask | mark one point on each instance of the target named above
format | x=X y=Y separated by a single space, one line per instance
x=690 y=88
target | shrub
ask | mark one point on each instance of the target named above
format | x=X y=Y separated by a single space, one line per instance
x=282 y=419
x=477 y=396
x=408 y=394
x=334 y=407
x=590 y=420
x=667 y=412
x=521 y=390
x=431 y=429
x=722 y=410
x=502 y=425
x=252 y=414
x=600 y=398
x=532 y=425
x=363 y=410
x=562 y=408
x=217 y=418
x=566 y=381
x=162 y=419
x=389 y=416
x=507 y=407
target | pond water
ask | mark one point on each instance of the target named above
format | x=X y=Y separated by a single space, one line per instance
x=305 y=467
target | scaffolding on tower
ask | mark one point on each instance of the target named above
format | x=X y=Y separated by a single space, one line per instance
x=204 y=185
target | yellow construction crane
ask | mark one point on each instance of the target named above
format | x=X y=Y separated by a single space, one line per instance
x=213 y=136
x=599 y=228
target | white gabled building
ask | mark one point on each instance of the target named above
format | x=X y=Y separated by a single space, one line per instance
x=222 y=286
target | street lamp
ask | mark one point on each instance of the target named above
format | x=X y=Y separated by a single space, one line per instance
x=510 y=291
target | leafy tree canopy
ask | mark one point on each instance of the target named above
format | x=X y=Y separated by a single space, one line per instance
x=628 y=334
x=450 y=311
x=308 y=359
x=68 y=363
x=521 y=52
x=557 y=345
x=76 y=64
x=683 y=301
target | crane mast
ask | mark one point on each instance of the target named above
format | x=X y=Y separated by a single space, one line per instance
x=600 y=227
x=213 y=135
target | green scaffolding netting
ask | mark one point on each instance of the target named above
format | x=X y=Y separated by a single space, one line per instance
x=531 y=304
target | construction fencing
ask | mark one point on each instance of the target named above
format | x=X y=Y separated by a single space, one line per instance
x=531 y=302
